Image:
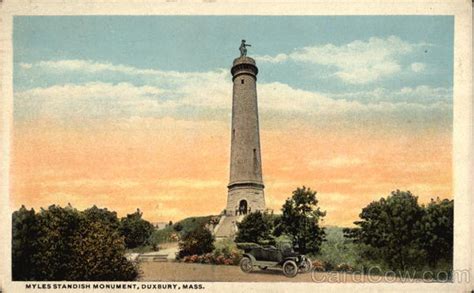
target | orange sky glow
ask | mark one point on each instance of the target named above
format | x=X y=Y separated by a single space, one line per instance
x=172 y=169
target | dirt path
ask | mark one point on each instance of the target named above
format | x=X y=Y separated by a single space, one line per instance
x=174 y=271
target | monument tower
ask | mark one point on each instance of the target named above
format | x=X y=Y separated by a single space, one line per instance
x=245 y=188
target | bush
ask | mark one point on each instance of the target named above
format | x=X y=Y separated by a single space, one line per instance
x=101 y=250
x=318 y=266
x=225 y=253
x=389 y=227
x=343 y=267
x=256 y=227
x=135 y=230
x=66 y=244
x=25 y=232
x=196 y=242
x=401 y=235
x=436 y=231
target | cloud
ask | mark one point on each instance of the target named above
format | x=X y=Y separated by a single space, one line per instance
x=358 y=62
x=417 y=67
x=89 y=66
x=422 y=94
x=207 y=94
x=273 y=59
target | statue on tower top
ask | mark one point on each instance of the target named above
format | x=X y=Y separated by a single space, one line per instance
x=243 y=48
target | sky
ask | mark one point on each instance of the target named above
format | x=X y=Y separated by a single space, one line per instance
x=134 y=112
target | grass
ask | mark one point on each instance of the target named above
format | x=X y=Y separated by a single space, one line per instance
x=337 y=250
x=188 y=224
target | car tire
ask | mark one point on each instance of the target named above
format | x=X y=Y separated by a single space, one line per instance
x=246 y=265
x=290 y=269
x=306 y=266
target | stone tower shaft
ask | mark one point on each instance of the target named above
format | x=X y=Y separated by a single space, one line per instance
x=245 y=182
x=245 y=162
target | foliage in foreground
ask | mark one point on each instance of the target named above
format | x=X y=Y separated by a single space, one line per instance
x=135 y=230
x=196 y=242
x=341 y=254
x=300 y=221
x=67 y=244
x=403 y=234
x=256 y=227
x=174 y=232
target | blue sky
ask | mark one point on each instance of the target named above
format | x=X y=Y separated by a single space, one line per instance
x=203 y=43
x=326 y=63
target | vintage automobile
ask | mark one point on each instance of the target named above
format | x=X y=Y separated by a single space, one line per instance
x=282 y=256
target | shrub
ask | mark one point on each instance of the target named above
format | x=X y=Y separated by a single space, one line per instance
x=400 y=234
x=25 y=232
x=66 y=244
x=196 y=242
x=343 y=267
x=318 y=265
x=101 y=252
x=135 y=230
x=328 y=266
x=225 y=253
x=436 y=231
x=256 y=227
x=389 y=227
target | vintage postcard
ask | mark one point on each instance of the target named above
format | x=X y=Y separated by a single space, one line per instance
x=210 y=146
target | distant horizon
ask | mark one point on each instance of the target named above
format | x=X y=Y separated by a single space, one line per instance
x=135 y=111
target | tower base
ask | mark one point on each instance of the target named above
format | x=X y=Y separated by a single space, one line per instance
x=245 y=199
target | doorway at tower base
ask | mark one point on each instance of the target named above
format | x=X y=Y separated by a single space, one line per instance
x=242 y=200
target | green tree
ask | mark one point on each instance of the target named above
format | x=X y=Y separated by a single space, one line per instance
x=102 y=215
x=135 y=230
x=300 y=220
x=436 y=231
x=198 y=241
x=390 y=227
x=66 y=244
x=24 y=234
x=98 y=250
x=255 y=227
x=178 y=227
x=57 y=231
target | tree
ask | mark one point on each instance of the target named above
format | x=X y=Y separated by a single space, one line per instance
x=178 y=227
x=57 y=229
x=24 y=234
x=391 y=228
x=102 y=215
x=99 y=252
x=135 y=230
x=255 y=227
x=300 y=220
x=198 y=241
x=436 y=231
x=66 y=244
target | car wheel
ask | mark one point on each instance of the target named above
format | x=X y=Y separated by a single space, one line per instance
x=246 y=265
x=306 y=266
x=290 y=269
